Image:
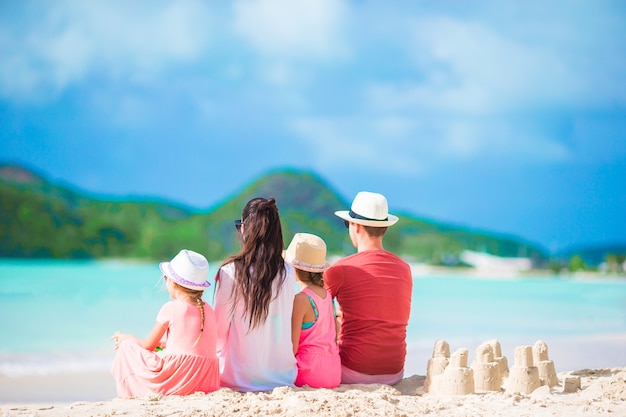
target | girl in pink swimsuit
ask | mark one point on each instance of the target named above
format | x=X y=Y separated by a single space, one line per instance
x=313 y=329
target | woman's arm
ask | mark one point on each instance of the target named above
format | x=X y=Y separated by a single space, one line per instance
x=223 y=306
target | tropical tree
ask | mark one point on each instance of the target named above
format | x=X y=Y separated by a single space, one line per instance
x=576 y=263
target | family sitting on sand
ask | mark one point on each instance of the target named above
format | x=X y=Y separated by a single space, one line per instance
x=259 y=336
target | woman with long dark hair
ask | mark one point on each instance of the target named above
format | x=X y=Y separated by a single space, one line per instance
x=253 y=305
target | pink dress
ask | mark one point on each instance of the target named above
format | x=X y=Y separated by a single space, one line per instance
x=319 y=363
x=184 y=367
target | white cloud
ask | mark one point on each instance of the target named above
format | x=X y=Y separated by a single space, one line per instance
x=292 y=29
x=460 y=111
x=415 y=147
x=498 y=140
x=429 y=86
x=371 y=145
x=472 y=68
x=65 y=42
x=483 y=68
x=477 y=94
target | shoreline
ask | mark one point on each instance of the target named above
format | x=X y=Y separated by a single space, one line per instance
x=420 y=270
x=603 y=391
x=58 y=388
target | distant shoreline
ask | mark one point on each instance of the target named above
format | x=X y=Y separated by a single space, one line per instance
x=418 y=269
x=429 y=270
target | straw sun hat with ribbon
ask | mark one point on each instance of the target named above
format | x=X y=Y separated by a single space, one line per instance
x=307 y=252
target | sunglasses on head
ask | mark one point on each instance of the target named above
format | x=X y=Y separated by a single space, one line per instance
x=238 y=224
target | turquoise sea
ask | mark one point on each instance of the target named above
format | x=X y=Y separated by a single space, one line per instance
x=57 y=316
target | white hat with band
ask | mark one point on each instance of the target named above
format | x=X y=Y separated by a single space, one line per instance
x=188 y=269
x=369 y=209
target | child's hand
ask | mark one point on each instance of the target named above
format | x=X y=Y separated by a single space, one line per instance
x=119 y=337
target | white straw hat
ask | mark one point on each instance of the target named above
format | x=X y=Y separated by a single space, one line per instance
x=188 y=269
x=369 y=209
x=307 y=252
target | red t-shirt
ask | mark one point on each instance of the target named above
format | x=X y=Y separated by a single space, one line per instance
x=373 y=289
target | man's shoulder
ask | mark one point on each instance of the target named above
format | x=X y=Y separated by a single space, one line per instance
x=347 y=260
x=369 y=259
x=398 y=260
x=375 y=254
x=361 y=257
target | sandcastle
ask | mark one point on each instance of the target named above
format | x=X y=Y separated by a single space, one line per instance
x=503 y=363
x=523 y=375
x=449 y=374
x=547 y=372
x=456 y=378
x=438 y=363
x=487 y=374
x=571 y=383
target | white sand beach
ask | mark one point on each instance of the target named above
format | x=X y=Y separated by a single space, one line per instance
x=603 y=392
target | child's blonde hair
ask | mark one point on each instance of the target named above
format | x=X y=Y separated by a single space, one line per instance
x=197 y=296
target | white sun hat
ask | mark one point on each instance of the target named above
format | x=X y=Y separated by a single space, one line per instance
x=188 y=269
x=369 y=209
x=307 y=252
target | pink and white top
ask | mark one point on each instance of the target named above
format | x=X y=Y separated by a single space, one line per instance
x=258 y=359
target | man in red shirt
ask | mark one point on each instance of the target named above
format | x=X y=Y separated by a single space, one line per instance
x=373 y=289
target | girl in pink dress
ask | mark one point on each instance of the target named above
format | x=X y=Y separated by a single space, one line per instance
x=313 y=328
x=188 y=362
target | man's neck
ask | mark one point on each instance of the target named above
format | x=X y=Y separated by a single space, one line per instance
x=370 y=244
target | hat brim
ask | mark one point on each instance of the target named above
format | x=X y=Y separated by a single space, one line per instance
x=309 y=268
x=345 y=214
x=304 y=266
x=180 y=281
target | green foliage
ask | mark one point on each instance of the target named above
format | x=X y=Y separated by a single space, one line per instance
x=555 y=267
x=576 y=264
x=40 y=219
x=615 y=263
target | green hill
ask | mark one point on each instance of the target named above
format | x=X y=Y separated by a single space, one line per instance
x=42 y=219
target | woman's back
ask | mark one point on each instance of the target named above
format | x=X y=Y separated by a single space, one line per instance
x=261 y=358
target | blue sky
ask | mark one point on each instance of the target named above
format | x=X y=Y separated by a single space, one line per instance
x=507 y=116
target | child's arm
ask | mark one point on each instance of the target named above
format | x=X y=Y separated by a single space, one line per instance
x=150 y=343
x=300 y=305
x=154 y=338
x=338 y=320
